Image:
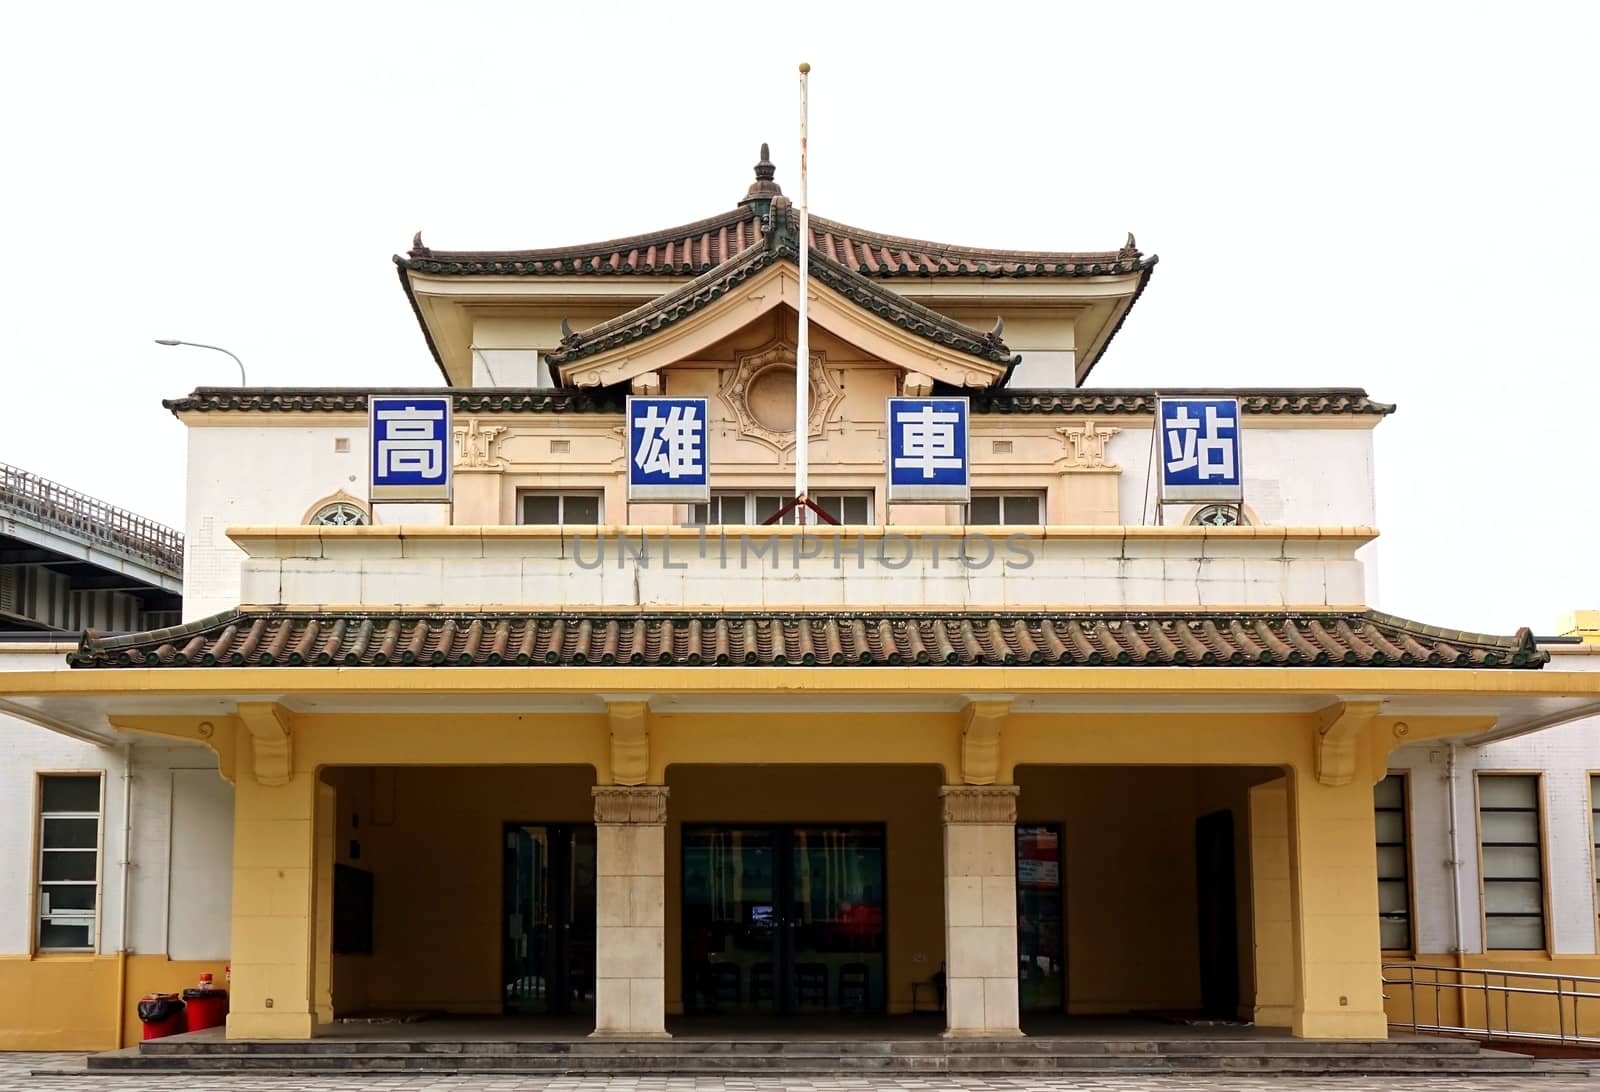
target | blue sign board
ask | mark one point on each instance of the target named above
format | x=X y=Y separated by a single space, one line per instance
x=928 y=458
x=410 y=445
x=1199 y=440
x=668 y=457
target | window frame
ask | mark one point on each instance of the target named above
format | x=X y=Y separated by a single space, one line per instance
x=562 y=495
x=1002 y=495
x=749 y=496
x=36 y=901
x=1405 y=848
x=1594 y=857
x=1541 y=827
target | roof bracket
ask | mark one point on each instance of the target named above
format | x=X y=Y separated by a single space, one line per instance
x=1341 y=727
x=271 y=740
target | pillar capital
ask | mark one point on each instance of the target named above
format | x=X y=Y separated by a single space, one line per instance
x=979 y=803
x=637 y=804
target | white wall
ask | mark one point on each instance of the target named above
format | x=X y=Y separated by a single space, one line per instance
x=257 y=476
x=1294 y=476
x=1564 y=755
x=182 y=811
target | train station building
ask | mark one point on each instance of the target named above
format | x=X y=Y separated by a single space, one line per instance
x=542 y=748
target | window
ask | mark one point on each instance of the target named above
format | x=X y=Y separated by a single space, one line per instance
x=1220 y=515
x=752 y=509
x=340 y=514
x=1005 y=509
x=1594 y=824
x=69 y=861
x=560 y=509
x=1513 y=861
x=1394 y=880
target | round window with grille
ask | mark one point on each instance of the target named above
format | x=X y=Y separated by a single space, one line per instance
x=340 y=514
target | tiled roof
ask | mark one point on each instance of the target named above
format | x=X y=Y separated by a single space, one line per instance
x=660 y=313
x=692 y=249
x=1333 y=400
x=354 y=400
x=1082 y=401
x=276 y=638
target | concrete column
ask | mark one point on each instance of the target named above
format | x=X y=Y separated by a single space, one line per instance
x=273 y=923
x=630 y=908
x=1334 y=902
x=980 y=911
x=1271 y=914
x=326 y=833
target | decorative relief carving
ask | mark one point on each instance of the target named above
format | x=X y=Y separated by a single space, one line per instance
x=641 y=804
x=759 y=393
x=477 y=446
x=1086 y=446
x=980 y=803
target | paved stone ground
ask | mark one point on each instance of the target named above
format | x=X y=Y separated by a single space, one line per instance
x=16 y=1076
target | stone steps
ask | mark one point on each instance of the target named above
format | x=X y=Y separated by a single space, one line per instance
x=691 y=1057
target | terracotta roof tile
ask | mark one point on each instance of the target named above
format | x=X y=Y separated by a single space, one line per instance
x=692 y=249
x=1082 y=401
x=699 y=293
x=281 y=638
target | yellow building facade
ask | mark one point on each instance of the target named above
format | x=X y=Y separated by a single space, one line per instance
x=544 y=753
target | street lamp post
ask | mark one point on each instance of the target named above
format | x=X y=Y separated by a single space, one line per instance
x=217 y=348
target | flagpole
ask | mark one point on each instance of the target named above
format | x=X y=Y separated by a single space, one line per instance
x=802 y=356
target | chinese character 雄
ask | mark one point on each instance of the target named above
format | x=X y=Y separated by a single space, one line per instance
x=929 y=440
x=408 y=444
x=1193 y=445
x=671 y=444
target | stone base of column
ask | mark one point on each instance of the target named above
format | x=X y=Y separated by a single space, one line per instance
x=630 y=909
x=980 y=907
x=1341 y=1024
x=271 y=1025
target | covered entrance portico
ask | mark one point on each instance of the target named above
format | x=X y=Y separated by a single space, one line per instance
x=888 y=797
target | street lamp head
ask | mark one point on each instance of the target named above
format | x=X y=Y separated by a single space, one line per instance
x=168 y=341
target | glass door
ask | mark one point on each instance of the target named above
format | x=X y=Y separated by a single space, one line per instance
x=1041 y=947
x=730 y=919
x=783 y=919
x=549 y=916
x=835 y=919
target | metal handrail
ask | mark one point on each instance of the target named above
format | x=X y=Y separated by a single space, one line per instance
x=1496 y=989
x=61 y=508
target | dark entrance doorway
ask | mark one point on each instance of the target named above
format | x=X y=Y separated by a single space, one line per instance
x=783 y=919
x=1041 y=940
x=549 y=919
x=1219 y=922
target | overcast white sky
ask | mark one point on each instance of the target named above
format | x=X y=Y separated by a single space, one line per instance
x=1400 y=197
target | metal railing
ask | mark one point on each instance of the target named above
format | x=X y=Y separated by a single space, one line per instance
x=54 y=505
x=1487 y=1003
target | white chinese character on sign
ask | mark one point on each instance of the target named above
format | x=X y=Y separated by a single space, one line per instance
x=1193 y=445
x=928 y=440
x=410 y=444
x=671 y=444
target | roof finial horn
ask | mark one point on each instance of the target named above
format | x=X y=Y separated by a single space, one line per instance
x=763 y=188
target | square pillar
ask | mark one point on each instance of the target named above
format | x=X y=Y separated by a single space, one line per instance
x=630 y=910
x=322 y=966
x=1334 y=905
x=980 y=911
x=1271 y=916
x=274 y=927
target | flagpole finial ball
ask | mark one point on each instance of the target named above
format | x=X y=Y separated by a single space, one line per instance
x=804 y=68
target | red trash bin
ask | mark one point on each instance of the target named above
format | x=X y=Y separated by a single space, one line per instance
x=205 y=1007
x=162 y=1015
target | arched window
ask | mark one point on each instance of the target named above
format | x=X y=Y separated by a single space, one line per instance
x=340 y=514
x=1220 y=515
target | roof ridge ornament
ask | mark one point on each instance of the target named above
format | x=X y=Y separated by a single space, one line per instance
x=763 y=189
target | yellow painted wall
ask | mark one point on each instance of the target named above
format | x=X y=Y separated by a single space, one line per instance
x=433 y=838
x=1132 y=933
x=70 y=1002
x=1527 y=1013
x=904 y=798
x=65 y=1002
